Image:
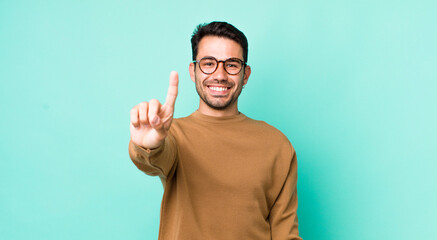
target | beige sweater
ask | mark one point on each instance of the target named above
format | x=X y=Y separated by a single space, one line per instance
x=224 y=178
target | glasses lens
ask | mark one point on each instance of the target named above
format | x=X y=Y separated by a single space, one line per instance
x=233 y=66
x=208 y=65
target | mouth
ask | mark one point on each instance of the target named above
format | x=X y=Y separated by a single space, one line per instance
x=218 y=90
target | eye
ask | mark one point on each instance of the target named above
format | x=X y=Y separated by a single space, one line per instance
x=233 y=64
x=208 y=63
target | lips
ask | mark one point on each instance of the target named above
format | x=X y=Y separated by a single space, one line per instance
x=218 y=89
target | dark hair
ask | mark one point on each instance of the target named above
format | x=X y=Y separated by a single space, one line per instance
x=219 y=29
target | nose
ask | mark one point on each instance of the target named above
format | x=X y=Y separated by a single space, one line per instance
x=220 y=73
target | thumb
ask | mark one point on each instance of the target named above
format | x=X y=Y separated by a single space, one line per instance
x=156 y=123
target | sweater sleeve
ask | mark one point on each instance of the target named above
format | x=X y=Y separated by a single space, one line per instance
x=283 y=215
x=156 y=162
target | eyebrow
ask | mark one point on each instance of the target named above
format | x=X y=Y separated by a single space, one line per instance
x=222 y=60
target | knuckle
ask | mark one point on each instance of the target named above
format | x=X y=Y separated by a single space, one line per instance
x=143 y=104
x=133 y=111
x=134 y=108
x=134 y=120
x=154 y=105
x=143 y=115
x=154 y=101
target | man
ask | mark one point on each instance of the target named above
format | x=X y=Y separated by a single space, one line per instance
x=225 y=176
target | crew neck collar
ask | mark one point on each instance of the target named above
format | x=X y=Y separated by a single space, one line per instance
x=225 y=119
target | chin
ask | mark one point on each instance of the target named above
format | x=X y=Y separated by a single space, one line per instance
x=218 y=105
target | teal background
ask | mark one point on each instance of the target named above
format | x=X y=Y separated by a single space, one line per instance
x=351 y=83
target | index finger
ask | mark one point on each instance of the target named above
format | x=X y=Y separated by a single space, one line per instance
x=172 y=89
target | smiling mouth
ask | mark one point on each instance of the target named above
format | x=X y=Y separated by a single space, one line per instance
x=219 y=89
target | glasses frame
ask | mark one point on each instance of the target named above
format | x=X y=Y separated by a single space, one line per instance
x=243 y=64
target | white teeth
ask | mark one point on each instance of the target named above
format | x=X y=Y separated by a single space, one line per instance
x=219 y=89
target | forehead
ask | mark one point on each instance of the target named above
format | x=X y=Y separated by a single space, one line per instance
x=219 y=47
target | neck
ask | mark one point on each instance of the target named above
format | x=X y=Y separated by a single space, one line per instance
x=229 y=111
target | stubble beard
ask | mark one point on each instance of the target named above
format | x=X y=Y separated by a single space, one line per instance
x=202 y=89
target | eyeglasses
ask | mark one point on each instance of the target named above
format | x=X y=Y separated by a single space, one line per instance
x=232 y=66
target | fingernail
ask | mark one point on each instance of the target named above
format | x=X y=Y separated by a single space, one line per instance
x=155 y=120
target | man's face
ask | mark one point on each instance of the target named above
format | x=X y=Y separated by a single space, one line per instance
x=219 y=90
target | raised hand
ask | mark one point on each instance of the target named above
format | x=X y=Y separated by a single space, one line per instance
x=150 y=121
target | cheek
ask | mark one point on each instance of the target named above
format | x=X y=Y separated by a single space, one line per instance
x=198 y=82
x=201 y=77
x=239 y=80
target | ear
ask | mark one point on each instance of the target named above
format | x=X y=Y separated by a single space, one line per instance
x=247 y=71
x=191 y=70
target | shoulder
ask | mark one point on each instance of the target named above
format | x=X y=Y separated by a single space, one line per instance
x=181 y=122
x=270 y=133
x=278 y=146
x=265 y=128
x=184 y=126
